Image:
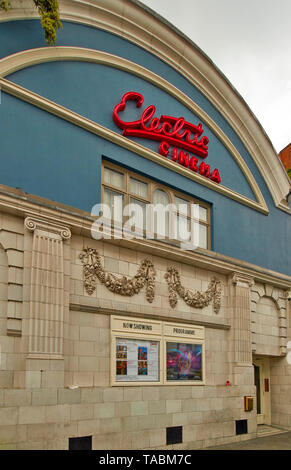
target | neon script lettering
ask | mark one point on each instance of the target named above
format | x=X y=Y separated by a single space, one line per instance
x=168 y=130
x=175 y=131
x=191 y=162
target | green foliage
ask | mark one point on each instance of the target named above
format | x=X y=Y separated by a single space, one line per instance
x=289 y=173
x=49 y=17
x=4 y=5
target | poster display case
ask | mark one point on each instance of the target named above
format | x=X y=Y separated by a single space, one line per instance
x=147 y=352
x=137 y=360
x=184 y=361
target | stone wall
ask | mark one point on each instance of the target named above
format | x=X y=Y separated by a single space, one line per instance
x=266 y=327
x=281 y=383
x=123 y=261
x=55 y=362
x=269 y=320
x=121 y=417
x=11 y=299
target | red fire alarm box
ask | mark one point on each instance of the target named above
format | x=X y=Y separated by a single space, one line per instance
x=267 y=385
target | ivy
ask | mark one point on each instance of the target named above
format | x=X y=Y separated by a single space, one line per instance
x=49 y=17
x=4 y=5
x=289 y=173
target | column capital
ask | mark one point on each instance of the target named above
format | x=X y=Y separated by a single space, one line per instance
x=33 y=223
x=242 y=280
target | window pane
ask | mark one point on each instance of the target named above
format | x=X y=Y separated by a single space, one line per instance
x=184 y=361
x=140 y=216
x=114 y=178
x=181 y=228
x=115 y=202
x=202 y=236
x=160 y=197
x=161 y=218
x=203 y=213
x=182 y=205
x=139 y=188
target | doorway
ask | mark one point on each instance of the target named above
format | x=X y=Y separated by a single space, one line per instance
x=262 y=383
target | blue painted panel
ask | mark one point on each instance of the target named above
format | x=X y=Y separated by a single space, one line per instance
x=49 y=157
x=237 y=230
x=93 y=90
x=59 y=161
x=27 y=34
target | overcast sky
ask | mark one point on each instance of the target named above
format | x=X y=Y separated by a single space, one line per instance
x=250 y=42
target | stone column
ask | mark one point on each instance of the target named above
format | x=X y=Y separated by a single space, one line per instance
x=45 y=359
x=240 y=305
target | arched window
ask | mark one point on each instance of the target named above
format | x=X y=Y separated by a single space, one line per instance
x=154 y=211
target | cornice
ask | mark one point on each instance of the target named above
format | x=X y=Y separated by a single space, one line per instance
x=220 y=324
x=81 y=224
x=134 y=22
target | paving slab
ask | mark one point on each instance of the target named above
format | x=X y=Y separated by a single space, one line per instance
x=280 y=441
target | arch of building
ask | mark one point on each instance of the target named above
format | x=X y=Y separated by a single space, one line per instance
x=268 y=320
x=29 y=58
x=137 y=24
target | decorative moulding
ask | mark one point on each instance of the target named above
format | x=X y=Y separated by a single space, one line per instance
x=146 y=276
x=208 y=260
x=33 y=224
x=193 y=299
x=268 y=291
x=242 y=280
x=122 y=285
x=220 y=323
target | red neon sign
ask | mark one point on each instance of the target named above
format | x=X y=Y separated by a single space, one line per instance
x=168 y=130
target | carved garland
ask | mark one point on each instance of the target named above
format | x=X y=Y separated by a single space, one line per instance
x=193 y=299
x=146 y=275
x=93 y=269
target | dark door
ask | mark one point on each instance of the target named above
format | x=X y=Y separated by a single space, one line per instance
x=257 y=384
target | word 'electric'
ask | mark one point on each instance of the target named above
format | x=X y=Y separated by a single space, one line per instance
x=169 y=131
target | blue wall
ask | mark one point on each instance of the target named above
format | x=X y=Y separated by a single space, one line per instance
x=47 y=156
x=93 y=90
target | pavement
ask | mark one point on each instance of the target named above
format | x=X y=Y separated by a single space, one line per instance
x=280 y=441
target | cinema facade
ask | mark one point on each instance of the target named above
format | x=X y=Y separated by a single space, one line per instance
x=135 y=342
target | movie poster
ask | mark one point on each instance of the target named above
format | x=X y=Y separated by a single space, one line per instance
x=137 y=360
x=184 y=361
